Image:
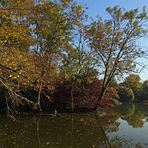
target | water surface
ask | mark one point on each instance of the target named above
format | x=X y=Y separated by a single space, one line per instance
x=126 y=126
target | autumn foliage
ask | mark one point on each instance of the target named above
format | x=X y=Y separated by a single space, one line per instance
x=49 y=58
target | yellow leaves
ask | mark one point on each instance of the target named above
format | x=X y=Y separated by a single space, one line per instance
x=25 y=68
x=65 y=3
x=11 y=35
x=2 y=42
x=3 y=16
x=17 y=61
x=14 y=76
x=17 y=33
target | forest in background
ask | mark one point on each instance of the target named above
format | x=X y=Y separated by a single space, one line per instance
x=52 y=58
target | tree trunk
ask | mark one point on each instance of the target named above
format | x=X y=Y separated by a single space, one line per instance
x=39 y=99
x=102 y=94
x=72 y=99
x=103 y=91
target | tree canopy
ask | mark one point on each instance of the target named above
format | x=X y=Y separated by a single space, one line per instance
x=44 y=44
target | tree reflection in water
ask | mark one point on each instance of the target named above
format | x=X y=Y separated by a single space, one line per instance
x=104 y=129
x=135 y=114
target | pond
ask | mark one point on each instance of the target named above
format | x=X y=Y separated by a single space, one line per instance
x=126 y=126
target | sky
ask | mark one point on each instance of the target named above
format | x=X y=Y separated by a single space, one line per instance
x=97 y=7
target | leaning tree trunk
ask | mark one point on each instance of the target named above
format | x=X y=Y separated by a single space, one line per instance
x=102 y=94
x=103 y=91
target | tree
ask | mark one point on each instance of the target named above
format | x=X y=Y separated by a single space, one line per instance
x=38 y=35
x=126 y=94
x=15 y=41
x=144 y=90
x=54 y=24
x=77 y=68
x=133 y=82
x=113 y=43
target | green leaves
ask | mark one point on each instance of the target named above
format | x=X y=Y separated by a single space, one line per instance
x=126 y=94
